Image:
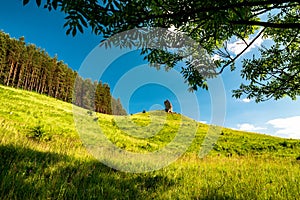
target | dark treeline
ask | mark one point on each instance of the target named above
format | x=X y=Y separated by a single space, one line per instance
x=30 y=68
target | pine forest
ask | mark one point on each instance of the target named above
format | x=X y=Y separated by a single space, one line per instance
x=28 y=67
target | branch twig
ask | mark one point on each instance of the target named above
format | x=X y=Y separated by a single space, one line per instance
x=238 y=55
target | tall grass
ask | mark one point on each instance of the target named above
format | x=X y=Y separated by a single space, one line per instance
x=44 y=157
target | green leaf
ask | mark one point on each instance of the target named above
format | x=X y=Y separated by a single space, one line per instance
x=66 y=24
x=74 y=32
x=68 y=31
x=54 y=5
x=80 y=28
x=25 y=2
x=38 y=2
x=83 y=22
x=118 y=5
x=232 y=67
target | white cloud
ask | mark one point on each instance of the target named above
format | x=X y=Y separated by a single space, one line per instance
x=203 y=122
x=216 y=57
x=246 y=100
x=249 y=127
x=288 y=127
x=239 y=45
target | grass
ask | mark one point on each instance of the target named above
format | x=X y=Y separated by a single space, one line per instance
x=46 y=155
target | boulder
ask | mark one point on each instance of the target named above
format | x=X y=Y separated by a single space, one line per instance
x=168 y=106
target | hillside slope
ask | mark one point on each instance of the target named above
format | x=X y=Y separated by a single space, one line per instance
x=44 y=155
x=23 y=112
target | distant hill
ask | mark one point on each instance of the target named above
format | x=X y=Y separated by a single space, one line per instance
x=24 y=111
x=44 y=156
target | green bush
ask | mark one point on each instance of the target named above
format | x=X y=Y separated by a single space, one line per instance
x=38 y=132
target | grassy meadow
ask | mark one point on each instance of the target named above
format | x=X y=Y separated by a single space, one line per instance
x=46 y=153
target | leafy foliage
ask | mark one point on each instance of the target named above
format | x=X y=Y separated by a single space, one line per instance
x=212 y=24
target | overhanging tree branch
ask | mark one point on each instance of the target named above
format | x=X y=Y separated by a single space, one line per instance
x=267 y=24
x=238 y=55
x=241 y=5
x=192 y=13
x=210 y=23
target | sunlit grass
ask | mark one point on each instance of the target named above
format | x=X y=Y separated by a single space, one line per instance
x=55 y=164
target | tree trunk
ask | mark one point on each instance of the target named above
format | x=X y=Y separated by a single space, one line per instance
x=15 y=74
x=10 y=73
x=20 y=79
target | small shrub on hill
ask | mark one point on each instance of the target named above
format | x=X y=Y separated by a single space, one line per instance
x=38 y=133
x=90 y=113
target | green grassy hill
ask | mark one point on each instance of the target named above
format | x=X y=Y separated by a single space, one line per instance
x=45 y=156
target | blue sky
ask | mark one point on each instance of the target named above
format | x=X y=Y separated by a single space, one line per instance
x=143 y=88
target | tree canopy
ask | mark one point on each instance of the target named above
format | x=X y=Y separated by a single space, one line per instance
x=212 y=24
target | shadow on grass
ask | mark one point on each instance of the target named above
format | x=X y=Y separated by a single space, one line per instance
x=31 y=174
